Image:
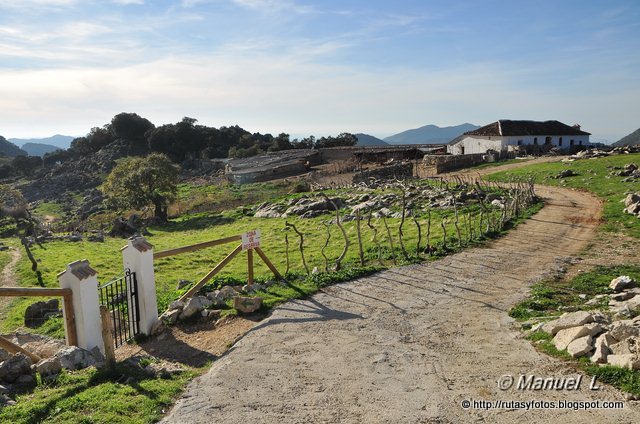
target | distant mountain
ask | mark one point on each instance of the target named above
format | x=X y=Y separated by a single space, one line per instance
x=38 y=149
x=369 y=140
x=632 y=139
x=9 y=149
x=430 y=134
x=59 y=141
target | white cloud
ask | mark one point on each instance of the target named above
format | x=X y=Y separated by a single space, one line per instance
x=128 y=2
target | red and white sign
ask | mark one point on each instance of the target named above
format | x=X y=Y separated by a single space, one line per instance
x=251 y=240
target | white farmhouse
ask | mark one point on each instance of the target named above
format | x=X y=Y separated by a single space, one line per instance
x=505 y=135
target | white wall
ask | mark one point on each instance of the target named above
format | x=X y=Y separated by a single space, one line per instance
x=480 y=144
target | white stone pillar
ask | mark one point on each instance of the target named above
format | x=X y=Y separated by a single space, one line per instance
x=137 y=256
x=83 y=282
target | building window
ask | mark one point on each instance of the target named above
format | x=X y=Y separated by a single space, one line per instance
x=535 y=140
x=580 y=142
x=560 y=141
x=547 y=140
x=571 y=143
x=519 y=142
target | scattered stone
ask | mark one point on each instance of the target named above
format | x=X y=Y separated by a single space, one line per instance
x=4 y=389
x=602 y=349
x=622 y=296
x=621 y=330
x=194 y=306
x=622 y=283
x=158 y=327
x=176 y=305
x=14 y=367
x=163 y=369
x=25 y=379
x=564 y=337
x=48 y=367
x=629 y=361
x=568 y=320
x=566 y=173
x=627 y=346
x=227 y=292
x=247 y=305
x=75 y=358
x=580 y=347
x=170 y=317
x=631 y=199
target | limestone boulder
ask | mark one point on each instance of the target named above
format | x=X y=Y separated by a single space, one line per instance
x=568 y=320
x=629 y=361
x=247 y=305
x=621 y=283
x=49 y=367
x=621 y=330
x=171 y=316
x=228 y=292
x=580 y=347
x=601 y=348
x=630 y=345
x=194 y=306
x=564 y=337
x=74 y=358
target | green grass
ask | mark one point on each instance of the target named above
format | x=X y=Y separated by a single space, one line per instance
x=124 y=395
x=593 y=175
x=51 y=209
x=551 y=297
x=497 y=163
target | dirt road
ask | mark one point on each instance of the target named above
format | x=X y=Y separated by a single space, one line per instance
x=408 y=345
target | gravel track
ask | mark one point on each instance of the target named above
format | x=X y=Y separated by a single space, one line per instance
x=407 y=345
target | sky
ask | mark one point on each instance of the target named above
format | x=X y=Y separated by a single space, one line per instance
x=319 y=67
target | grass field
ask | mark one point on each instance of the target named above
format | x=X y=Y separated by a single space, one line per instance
x=594 y=176
x=136 y=398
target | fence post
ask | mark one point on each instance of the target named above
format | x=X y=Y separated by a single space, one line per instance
x=83 y=282
x=137 y=256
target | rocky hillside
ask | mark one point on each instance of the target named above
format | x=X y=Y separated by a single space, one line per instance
x=38 y=149
x=632 y=139
x=430 y=134
x=9 y=149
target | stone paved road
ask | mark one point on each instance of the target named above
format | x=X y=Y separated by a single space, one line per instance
x=409 y=344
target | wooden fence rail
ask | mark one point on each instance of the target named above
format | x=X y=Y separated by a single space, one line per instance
x=221 y=264
x=67 y=299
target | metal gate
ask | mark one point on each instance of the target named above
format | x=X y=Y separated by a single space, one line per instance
x=120 y=296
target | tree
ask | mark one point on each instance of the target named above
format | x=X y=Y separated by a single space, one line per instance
x=138 y=182
x=14 y=205
x=132 y=128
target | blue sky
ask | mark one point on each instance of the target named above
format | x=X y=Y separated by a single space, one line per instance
x=306 y=67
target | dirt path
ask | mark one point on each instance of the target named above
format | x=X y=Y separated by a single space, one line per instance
x=8 y=276
x=409 y=344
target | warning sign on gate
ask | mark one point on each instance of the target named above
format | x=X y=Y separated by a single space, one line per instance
x=251 y=240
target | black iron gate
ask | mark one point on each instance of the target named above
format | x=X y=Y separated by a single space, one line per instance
x=120 y=296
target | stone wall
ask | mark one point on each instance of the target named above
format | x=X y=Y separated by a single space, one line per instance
x=444 y=163
x=400 y=171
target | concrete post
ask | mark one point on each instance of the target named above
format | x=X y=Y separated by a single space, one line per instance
x=83 y=282
x=137 y=256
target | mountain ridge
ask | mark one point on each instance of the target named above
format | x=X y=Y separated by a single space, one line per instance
x=632 y=139
x=430 y=134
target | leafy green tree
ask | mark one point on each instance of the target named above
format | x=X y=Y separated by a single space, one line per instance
x=138 y=182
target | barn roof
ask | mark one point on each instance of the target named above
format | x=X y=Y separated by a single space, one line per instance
x=506 y=127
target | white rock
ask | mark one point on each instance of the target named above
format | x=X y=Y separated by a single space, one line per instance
x=170 y=317
x=227 y=292
x=193 y=306
x=176 y=304
x=629 y=361
x=75 y=358
x=622 y=283
x=568 y=320
x=49 y=366
x=247 y=305
x=581 y=346
x=564 y=337
x=602 y=349
x=621 y=330
x=626 y=346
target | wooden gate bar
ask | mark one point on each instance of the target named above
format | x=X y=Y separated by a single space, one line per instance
x=250 y=266
x=70 y=319
x=211 y=273
x=14 y=348
x=33 y=291
x=194 y=247
x=268 y=263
